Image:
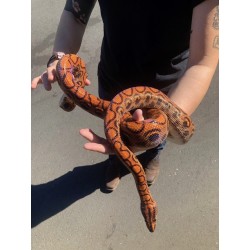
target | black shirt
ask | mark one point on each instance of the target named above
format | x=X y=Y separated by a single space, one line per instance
x=145 y=42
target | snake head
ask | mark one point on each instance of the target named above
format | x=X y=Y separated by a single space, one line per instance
x=149 y=212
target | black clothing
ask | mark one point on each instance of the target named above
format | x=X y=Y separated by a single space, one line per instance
x=145 y=42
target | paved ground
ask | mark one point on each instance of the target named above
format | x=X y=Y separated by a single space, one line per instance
x=69 y=209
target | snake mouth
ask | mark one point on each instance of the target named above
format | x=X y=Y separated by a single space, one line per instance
x=151 y=227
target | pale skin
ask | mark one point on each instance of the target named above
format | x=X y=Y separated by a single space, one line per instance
x=187 y=93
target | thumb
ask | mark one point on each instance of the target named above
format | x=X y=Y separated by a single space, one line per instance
x=52 y=74
x=138 y=115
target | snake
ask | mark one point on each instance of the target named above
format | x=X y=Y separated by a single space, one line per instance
x=163 y=119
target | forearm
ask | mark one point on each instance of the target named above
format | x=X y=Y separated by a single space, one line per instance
x=192 y=87
x=189 y=91
x=69 y=34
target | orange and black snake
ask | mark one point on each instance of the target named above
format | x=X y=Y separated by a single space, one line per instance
x=164 y=119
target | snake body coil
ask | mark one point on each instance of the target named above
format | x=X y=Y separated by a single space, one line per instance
x=165 y=119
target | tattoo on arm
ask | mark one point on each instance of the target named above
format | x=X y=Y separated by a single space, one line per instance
x=216 y=42
x=83 y=9
x=216 y=19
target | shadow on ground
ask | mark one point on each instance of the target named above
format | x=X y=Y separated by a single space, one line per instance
x=50 y=198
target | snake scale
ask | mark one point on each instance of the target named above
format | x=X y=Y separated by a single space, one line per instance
x=164 y=119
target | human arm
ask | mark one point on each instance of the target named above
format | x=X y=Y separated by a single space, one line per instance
x=72 y=25
x=189 y=91
x=68 y=39
x=191 y=88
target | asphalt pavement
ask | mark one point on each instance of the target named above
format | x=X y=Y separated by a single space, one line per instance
x=70 y=211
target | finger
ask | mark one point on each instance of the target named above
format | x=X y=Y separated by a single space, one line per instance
x=51 y=75
x=96 y=143
x=46 y=83
x=92 y=137
x=87 y=82
x=36 y=81
x=99 y=148
x=138 y=115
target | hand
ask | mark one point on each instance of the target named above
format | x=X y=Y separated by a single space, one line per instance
x=48 y=77
x=99 y=144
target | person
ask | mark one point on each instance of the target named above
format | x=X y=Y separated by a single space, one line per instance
x=169 y=45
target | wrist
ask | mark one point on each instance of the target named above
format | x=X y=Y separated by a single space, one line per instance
x=55 y=56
